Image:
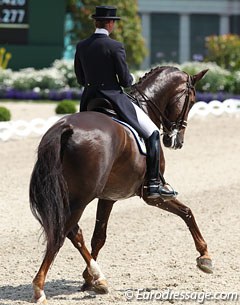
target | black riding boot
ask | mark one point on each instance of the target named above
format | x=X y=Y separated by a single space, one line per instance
x=155 y=187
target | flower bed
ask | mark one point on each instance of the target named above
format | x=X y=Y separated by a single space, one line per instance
x=219 y=96
x=59 y=82
x=45 y=94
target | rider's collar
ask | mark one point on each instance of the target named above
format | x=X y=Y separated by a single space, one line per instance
x=101 y=31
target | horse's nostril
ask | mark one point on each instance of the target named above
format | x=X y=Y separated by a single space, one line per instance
x=167 y=141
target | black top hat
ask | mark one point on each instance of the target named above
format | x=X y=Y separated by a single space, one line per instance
x=105 y=12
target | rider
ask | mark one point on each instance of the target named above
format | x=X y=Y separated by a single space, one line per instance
x=100 y=66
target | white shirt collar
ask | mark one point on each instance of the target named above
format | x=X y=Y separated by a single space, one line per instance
x=101 y=31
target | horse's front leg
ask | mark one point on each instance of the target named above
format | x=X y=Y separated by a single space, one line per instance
x=98 y=240
x=174 y=206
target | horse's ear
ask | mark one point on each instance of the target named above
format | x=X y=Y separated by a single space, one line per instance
x=197 y=77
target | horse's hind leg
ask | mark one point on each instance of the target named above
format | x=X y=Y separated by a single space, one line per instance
x=176 y=207
x=94 y=271
x=98 y=240
x=39 y=280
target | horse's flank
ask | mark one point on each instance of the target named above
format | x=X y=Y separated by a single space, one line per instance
x=104 y=157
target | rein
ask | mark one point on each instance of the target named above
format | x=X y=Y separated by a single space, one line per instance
x=166 y=123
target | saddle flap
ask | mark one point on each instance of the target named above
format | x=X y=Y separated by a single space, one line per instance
x=140 y=141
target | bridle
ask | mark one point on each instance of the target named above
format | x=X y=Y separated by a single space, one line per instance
x=168 y=126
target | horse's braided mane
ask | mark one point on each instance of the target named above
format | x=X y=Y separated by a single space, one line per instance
x=158 y=69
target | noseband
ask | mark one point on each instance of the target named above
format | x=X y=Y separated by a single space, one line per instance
x=167 y=125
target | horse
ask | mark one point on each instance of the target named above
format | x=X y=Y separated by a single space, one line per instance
x=89 y=155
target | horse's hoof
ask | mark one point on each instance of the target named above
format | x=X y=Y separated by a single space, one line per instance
x=205 y=264
x=100 y=287
x=39 y=295
x=86 y=287
x=41 y=300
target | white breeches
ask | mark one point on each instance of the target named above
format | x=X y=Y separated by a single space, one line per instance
x=144 y=121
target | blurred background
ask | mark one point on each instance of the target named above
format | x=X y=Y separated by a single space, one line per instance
x=36 y=32
x=38 y=40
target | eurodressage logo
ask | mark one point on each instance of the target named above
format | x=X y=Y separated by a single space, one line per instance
x=170 y=295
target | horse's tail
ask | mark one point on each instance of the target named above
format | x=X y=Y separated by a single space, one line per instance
x=48 y=189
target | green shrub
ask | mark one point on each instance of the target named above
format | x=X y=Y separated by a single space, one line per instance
x=224 y=50
x=233 y=83
x=65 y=107
x=5 y=114
x=214 y=81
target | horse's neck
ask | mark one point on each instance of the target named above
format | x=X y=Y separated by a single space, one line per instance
x=148 y=95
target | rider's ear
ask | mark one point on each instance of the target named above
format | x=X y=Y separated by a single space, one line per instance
x=197 y=77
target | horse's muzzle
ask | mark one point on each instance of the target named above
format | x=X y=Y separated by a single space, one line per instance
x=174 y=141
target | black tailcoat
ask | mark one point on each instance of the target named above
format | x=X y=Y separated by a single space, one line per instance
x=100 y=66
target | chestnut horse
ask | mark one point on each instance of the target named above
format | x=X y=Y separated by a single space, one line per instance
x=88 y=155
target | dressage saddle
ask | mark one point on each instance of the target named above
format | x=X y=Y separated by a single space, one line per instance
x=102 y=105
